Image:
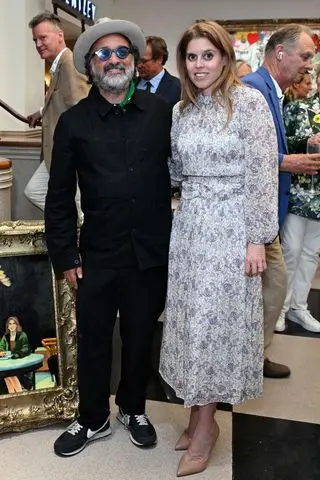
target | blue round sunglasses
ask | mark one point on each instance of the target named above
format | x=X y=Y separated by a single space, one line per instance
x=105 y=53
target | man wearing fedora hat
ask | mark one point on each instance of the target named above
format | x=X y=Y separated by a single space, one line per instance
x=116 y=143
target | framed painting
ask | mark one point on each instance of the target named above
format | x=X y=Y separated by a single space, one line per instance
x=37 y=333
x=250 y=37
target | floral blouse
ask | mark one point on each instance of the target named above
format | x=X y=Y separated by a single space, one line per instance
x=302 y=120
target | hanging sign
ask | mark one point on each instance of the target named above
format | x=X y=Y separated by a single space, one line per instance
x=85 y=7
x=84 y=10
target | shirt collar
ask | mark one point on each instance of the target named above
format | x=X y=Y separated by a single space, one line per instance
x=277 y=87
x=158 y=77
x=154 y=80
x=104 y=107
x=280 y=94
x=54 y=65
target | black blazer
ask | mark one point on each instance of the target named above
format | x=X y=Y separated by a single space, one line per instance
x=169 y=88
x=120 y=159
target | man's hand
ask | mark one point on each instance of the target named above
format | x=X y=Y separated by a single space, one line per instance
x=72 y=276
x=34 y=119
x=308 y=163
x=255 y=262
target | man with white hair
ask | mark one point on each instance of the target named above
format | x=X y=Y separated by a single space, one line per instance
x=116 y=142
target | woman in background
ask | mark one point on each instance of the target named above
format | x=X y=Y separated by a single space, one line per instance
x=224 y=155
x=300 y=234
x=299 y=89
x=243 y=68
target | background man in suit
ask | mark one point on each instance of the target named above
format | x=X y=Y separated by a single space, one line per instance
x=289 y=52
x=67 y=87
x=153 y=77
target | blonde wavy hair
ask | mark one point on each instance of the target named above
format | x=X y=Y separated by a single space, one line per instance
x=291 y=92
x=228 y=79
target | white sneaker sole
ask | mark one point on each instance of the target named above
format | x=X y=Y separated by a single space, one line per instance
x=106 y=433
x=304 y=325
x=280 y=328
x=120 y=419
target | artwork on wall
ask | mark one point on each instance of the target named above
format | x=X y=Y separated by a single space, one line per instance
x=249 y=46
x=249 y=37
x=37 y=333
x=27 y=316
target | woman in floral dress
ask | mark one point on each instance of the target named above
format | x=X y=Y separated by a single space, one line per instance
x=301 y=231
x=224 y=156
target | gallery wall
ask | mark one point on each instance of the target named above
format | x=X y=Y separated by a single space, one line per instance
x=168 y=18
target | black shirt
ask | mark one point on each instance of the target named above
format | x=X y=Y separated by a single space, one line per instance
x=120 y=158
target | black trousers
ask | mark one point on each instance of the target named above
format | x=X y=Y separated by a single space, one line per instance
x=140 y=297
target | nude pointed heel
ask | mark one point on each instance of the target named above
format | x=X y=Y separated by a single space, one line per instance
x=191 y=464
x=183 y=442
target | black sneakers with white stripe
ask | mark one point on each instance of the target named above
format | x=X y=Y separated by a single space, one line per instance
x=142 y=432
x=77 y=436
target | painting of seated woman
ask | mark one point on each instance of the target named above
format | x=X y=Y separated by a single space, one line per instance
x=26 y=320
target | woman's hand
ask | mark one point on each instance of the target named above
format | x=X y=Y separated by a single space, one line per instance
x=2 y=354
x=255 y=262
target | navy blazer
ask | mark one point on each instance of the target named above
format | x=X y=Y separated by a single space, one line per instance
x=261 y=80
x=169 y=88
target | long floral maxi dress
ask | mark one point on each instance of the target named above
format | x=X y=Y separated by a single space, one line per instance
x=212 y=349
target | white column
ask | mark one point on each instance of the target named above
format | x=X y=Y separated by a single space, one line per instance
x=22 y=70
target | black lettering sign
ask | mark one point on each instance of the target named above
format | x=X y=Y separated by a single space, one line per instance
x=83 y=9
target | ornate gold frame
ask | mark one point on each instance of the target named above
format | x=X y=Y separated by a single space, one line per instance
x=19 y=412
x=272 y=24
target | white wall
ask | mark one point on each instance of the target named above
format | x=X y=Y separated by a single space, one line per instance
x=105 y=8
x=168 y=18
x=22 y=71
x=21 y=67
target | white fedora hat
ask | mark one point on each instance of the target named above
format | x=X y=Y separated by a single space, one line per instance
x=106 y=26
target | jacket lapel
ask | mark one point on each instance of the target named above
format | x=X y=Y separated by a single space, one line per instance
x=53 y=82
x=50 y=90
x=274 y=100
x=163 y=82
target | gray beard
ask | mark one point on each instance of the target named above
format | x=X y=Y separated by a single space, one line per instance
x=110 y=83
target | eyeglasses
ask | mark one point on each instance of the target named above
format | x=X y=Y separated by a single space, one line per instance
x=143 y=61
x=105 y=53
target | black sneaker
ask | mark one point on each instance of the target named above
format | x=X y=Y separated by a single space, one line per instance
x=76 y=437
x=142 y=432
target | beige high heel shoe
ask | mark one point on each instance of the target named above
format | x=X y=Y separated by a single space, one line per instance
x=183 y=442
x=185 y=439
x=191 y=464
